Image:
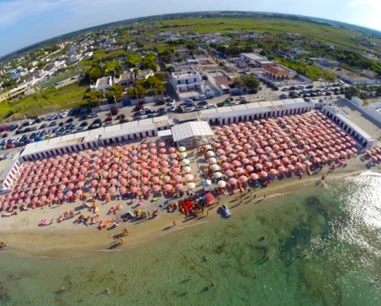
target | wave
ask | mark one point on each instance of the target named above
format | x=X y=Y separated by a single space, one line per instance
x=371 y=173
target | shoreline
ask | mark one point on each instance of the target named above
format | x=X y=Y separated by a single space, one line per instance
x=67 y=240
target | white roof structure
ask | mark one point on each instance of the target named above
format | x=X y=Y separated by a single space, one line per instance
x=164 y=133
x=191 y=129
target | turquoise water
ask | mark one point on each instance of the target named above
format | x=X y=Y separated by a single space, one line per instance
x=322 y=243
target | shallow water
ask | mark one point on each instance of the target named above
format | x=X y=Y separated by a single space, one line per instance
x=322 y=243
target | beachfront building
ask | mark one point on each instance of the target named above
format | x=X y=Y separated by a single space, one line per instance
x=192 y=134
x=10 y=169
x=364 y=140
x=111 y=135
x=255 y=111
x=255 y=59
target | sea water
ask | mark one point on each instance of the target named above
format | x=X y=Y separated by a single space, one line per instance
x=321 y=246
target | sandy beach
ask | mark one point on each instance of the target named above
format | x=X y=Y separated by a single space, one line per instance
x=67 y=240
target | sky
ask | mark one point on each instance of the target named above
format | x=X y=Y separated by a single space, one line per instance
x=25 y=22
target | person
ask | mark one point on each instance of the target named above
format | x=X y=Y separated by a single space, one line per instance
x=125 y=231
x=174 y=223
x=62 y=289
x=264 y=196
x=121 y=241
x=120 y=206
x=107 y=290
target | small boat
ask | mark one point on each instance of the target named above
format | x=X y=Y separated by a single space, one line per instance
x=226 y=211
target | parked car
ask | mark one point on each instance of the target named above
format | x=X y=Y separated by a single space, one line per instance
x=92 y=115
x=202 y=103
x=188 y=109
x=107 y=123
x=211 y=106
x=108 y=119
x=53 y=123
x=63 y=115
x=120 y=116
x=138 y=108
x=171 y=109
x=114 y=111
x=226 y=212
x=84 y=123
x=171 y=102
x=10 y=145
x=157 y=103
x=69 y=120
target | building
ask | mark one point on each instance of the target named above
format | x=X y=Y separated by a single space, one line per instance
x=254 y=59
x=103 y=84
x=129 y=78
x=14 y=93
x=255 y=111
x=192 y=134
x=276 y=72
x=186 y=80
x=130 y=131
x=10 y=169
x=364 y=140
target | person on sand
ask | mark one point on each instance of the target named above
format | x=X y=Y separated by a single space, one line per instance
x=121 y=241
x=62 y=289
x=174 y=223
x=264 y=197
x=125 y=231
x=52 y=221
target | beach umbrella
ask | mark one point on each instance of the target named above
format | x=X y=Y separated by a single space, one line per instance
x=210 y=154
x=249 y=168
x=134 y=189
x=168 y=187
x=144 y=180
x=254 y=176
x=183 y=155
x=166 y=179
x=215 y=167
x=172 y=150
x=221 y=184
x=164 y=170
x=135 y=173
x=232 y=181
x=112 y=190
x=291 y=167
x=191 y=186
x=182 y=149
x=123 y=190
x=133 y=181
x=156 y=188
x=173 y=155
x=258 y=166
x=155 y=171
x=179 y=187
x=225 y=165
x=134 y=166
x=155 y=180
x=264 y=174
x=92 y=190
x=243 y=179
x=187 y=169
x=145 y=189
x=217 y=175
x=189 y=177
x=185 y=162
x=212 y=160
x=178 y=178
x=240 y=170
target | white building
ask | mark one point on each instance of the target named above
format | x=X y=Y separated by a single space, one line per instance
x=255 y=111
x=103 y=84
x=186 y=80
x=192 y=134
x=364 y=140
x=254 y=59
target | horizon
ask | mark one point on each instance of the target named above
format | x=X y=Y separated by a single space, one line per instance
x=26 y=26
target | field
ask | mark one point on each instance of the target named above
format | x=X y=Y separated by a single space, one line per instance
x=331 y=34
x=50 y=100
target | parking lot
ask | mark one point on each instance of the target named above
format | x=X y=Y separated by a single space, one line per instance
x=64 y=123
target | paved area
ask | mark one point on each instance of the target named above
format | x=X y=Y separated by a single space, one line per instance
x=367 y=123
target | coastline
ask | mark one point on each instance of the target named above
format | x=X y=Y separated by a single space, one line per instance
x=67 y=240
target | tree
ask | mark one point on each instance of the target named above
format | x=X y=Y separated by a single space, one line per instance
x=138 y=91
x=251 y=82
x=93 y=74
x=133 y=59
x=93 y=95
x=351 y=92
x=115 y=92
x=169 y=69
x=239 y=82
x=149 y=62
x=113 y=68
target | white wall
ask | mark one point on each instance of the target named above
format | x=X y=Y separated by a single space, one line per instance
x=370 y=110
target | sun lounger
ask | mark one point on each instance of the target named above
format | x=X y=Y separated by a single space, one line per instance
x=235 y=191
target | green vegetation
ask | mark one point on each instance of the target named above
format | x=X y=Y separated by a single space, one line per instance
x=49 y=100
x=312 y=72
x=113 y=68
x=133 y=59
x=93 y=97
x=251 y=83
x=153 y=85
x=115 y=92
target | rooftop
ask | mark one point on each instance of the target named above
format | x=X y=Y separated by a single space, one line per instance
x=276 y=70
x=191 y=129
x=103 y=81
x=254 y=56
x=184 y=73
